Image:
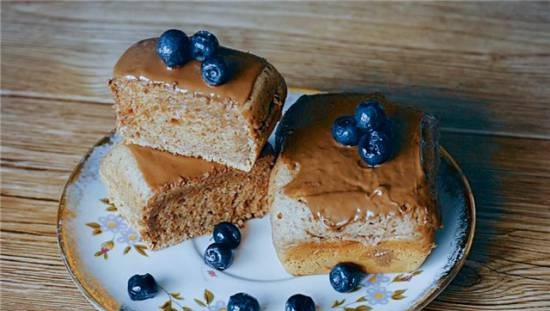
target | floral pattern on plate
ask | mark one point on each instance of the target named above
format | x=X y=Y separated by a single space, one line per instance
x=87 y=227
x=123 y=234
x=376 y=289
x=206 y=303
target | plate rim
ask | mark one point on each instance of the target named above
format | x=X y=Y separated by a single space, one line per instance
x=61 y=211
x=434 y=292
x=443 y=282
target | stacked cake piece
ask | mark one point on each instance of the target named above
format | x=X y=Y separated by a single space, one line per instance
x=354 y=181
x=194 y=118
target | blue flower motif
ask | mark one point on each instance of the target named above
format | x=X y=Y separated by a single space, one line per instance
x=112 y=223
x=219 y=305
x=129 y=237
x=375 y=280
x=378 y=295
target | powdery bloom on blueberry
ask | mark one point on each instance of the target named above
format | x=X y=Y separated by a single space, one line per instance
x=129 y=237
x=376 y=280
x=378 y=295
x=112 y=223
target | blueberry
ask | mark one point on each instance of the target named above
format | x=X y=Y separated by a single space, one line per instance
x=300 y=302
x=214 y=71
x=204 y=45
x=218 y=256
x=345 y=131
x=375 y=147
x=173 y=48
x=345 y=278
x=228 y=234
x=242 y=302
x=369 y=115
x=141 y=287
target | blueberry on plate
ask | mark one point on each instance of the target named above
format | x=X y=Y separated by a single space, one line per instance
x=300 y=302
x=345 y=131
x=369 y=115
x=204 y=45
x=242 y=302
x=228 y=234
x=218 y=256
x=345 y=278
x=214 y=71
x=173 y=48
x=141 y=287
x=375 y=147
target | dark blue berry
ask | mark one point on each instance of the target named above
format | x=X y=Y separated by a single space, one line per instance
x=228 y=234
x=345 y=131
x=300 y=302
x=214 y=71
x=345 y=278
x=242 y=302
x=173 y=48
x=218 y=256
x=141 y=287
x=204 y=45
x=375 y=147
x=369 y=115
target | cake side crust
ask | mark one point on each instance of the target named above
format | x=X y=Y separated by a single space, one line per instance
x=159 y=115
x=305 y=246
x=187 y=207
x=385 y=257
x=126 y=187
x=182 y=211
x=297 y=234
x=263 y=118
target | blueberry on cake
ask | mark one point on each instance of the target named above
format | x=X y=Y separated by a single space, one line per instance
x=193 y=97
x=354 y=182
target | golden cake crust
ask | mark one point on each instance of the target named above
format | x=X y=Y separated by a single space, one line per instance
x=185 y=206
x=175 y=111
x=394 y=232
x=384 y=257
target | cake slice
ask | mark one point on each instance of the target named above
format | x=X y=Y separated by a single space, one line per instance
x=328 y=207
x=170 y=198
x=176 y=111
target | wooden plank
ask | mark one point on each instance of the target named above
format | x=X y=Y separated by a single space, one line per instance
x=44 y=139
x=36 y=129
x=33 y=275
x=509 y=267
x=480 y=66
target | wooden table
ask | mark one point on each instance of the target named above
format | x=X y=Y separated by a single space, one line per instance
x=484 y=68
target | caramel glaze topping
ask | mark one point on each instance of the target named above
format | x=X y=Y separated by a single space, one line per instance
x=160 y=168
x=332 y=179
x=141 y=61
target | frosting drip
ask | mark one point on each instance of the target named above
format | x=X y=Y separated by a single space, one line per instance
x=332 y=179
x=141 y=61
x=160 y=168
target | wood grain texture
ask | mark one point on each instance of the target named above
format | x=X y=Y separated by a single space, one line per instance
x=480 y=66
x=508 y=269
x=483 y=67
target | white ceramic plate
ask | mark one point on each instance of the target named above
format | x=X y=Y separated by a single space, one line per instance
x=101 y=253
